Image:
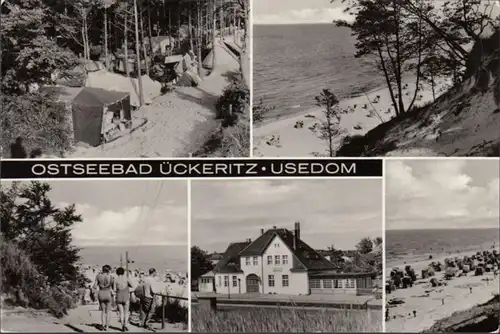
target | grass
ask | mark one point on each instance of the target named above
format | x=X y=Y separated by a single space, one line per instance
x=285 y=320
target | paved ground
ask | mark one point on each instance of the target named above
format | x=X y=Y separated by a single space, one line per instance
x=313 y=299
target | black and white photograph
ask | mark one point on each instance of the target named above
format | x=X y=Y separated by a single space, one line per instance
x=442 y=246
x=133 y=78
x=351 y=78
x=94 y=256
x=286 y=255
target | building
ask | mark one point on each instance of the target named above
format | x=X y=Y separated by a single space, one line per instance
x=280 y=262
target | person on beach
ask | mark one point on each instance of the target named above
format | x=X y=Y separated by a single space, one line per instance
x=147 y=296
x=122 y=285
x=105 y=282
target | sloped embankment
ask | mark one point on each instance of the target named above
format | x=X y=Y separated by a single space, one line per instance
x=479 y=319
x=465 y=121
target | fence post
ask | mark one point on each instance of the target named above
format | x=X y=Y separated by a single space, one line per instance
x=162 y=312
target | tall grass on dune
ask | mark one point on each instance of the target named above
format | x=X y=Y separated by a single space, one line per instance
x=285 y=320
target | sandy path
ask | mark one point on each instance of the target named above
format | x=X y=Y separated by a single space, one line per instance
x=302 y=142
x=27 y=321
x=428 y=301
x=171 y=118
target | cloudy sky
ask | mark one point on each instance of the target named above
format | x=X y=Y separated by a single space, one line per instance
x=338 y=212
x=424 y=194
x=297 y=11
x=126 y=212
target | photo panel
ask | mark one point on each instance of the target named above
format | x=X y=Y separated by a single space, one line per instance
x=95 y=255
x=286 y=255
x=442 y=245
x=126 y=79
x=339 y=78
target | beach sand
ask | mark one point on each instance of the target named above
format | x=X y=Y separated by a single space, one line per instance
x=301 y=142
x=428 y=301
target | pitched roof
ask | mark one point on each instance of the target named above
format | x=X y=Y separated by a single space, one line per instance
x=309 y=257
x=230 y=261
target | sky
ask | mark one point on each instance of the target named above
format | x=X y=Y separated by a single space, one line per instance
x=126 y=213
x=297 y=11
x=335 y=212
x=442 y=194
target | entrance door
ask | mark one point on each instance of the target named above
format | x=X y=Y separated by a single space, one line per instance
x=252 y=283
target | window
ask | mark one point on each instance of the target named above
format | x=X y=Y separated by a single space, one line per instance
x=276 y=245
x=315 y=284
x=219 y=279
x=226 y=281
x=350 y=284
x=235 y=281
x=247 y=259
x=255 y=260
x=284 y=280
x=337 y=284
x=285 y=259
x=271 y=280
x=276 y=259
x=269 y=259
x=327 y=284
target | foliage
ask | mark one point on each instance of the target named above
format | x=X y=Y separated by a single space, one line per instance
x=329 y=128
x=174 y=312
x=365 y=245
x=200 y=263
x=30 y=55
x=41 y=123
x=25 y=286
x=257 y=320
x=233 y=102
x=38 y=228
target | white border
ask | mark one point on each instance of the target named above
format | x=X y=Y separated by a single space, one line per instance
x=384 y=170
x=250 y=48
x=189 y=251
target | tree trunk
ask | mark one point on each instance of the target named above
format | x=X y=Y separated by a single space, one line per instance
x=146 y=61
x=190 y=30
x=214 y=19
x=179 y=23
x=200 y=38
x=150 y=35
x=125 y=42
x=106 y=55
x=138 y=54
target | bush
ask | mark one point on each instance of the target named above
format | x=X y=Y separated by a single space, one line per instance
x=235 y=97
x=26 y=287
x=38 y=119
x=174 y=312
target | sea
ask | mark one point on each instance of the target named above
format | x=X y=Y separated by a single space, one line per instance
x=293 y=63
x=162 y=258
x=410 y=245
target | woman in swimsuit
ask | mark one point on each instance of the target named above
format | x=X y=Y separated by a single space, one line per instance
x=104 y=281
x=122 y=285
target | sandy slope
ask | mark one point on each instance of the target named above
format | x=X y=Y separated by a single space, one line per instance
x=428 y=301
x=20 y=320
x=171 y=118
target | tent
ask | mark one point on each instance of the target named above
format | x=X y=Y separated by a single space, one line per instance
x=89 y=107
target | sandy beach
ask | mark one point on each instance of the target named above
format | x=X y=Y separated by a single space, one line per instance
x=279 y=137
x=435 y=303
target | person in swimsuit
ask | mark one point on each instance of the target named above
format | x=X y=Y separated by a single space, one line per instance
x=104 y=281
x=122 y=286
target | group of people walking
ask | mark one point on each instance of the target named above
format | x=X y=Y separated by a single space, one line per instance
x=119 y=290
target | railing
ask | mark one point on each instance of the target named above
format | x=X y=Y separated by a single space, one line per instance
x=164 y=299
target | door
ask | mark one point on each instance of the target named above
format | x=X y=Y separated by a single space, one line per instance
x=252 y=283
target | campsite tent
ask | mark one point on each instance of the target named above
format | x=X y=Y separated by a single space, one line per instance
x=88 y=109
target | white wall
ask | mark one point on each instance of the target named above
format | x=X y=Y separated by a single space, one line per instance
x=206 y=286
x=297 y=282
x=230 y=289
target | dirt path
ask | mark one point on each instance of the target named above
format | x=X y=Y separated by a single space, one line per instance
x=171 y=118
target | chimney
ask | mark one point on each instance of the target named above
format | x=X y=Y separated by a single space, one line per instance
x=274 y=227
x=297 y=230
x=294 y=241
x=261 y=231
